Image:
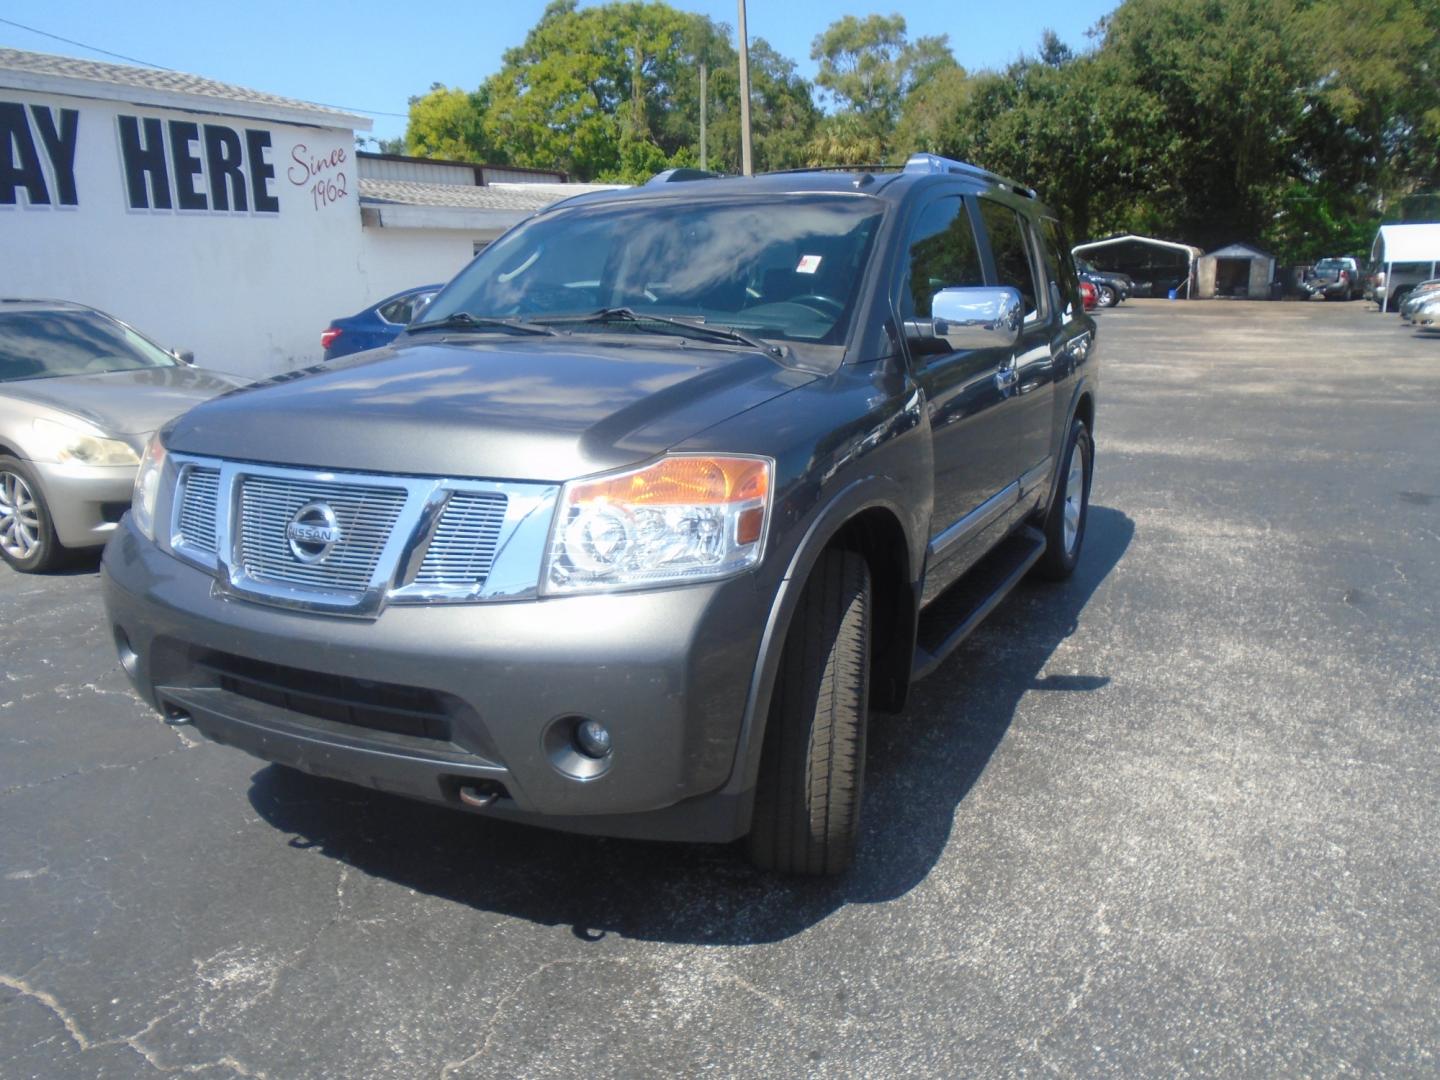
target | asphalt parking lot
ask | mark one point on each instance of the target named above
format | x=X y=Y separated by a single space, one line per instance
x=1178 y=817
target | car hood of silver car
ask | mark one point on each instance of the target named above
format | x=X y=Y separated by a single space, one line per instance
x=127 y=403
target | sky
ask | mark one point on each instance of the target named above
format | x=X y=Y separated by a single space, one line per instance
x=370 y=57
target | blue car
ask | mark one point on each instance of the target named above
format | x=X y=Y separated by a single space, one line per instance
x=377 y=325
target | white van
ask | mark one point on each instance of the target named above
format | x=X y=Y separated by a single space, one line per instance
x=1402 y=257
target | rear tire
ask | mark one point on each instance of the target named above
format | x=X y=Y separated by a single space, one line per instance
x=1069 y=507
x=27 y=533
x=1106 y=297
x=812 y=768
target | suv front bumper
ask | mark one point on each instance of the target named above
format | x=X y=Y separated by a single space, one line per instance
x=427 y=699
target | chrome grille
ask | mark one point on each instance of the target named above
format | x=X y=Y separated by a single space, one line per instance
x=463 y=546
x=366 y=516
x=199 y=489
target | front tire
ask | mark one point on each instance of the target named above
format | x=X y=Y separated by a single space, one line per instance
x=1070 y=507
x=27 y=534
x=812 y=768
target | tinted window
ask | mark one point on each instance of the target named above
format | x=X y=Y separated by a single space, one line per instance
x=942 y=255
x=1057 y=260
x=49 y=344
x=786 y=268
x=1012 y=256
x=396 y=311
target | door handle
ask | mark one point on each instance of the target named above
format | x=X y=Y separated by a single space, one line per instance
x=1006 y=378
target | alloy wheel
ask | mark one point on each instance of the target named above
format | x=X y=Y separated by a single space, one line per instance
x=19 y=517
x=1074 y=499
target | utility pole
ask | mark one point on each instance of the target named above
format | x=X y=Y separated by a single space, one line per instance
x=746 y=168
x=704 y=148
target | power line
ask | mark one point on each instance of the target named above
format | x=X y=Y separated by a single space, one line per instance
x=82 y=45
x=162 y=67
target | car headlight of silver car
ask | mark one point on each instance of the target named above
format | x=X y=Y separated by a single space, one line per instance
x=147 y=487
x=81 y=445
x=683 y=518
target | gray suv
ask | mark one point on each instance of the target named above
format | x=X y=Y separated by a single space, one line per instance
x=669 y=490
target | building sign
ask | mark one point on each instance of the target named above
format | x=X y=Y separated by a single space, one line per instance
x=166 y=165
x=20 y=169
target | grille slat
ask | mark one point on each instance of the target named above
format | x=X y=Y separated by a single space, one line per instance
x=366 y=516
x=463 y=547
x=200 y=489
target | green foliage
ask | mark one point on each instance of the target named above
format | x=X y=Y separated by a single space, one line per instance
x=1295 y=124
x=449 y=123
x=868 y=67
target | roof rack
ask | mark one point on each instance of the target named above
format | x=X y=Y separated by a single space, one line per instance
x=934 y=163
x=673 y=176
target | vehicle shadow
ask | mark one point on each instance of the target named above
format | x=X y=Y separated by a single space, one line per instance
x=920 y=766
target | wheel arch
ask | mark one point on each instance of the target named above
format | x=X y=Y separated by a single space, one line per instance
x=865 y=517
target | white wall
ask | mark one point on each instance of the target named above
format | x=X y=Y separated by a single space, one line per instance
x=395 y=259
x=248 y=290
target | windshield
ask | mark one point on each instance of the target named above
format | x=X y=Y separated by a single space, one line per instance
x=785 y=268
x=51 y=344
x=1330 y=264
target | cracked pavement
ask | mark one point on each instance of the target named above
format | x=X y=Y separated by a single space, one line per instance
x=1175 y=818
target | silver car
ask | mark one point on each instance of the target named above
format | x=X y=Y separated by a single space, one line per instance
x=80 y=394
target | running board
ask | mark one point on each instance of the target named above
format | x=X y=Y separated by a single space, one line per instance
x=952 y=615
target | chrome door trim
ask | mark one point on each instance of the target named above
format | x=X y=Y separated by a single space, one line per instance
x=1033 y=478
x=975 y=520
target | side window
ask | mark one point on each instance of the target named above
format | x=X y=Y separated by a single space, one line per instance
x=942 y=255
x=1057 y=258
x=396 y=311
x=1012 y=256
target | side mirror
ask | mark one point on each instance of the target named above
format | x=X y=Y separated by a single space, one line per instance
x=185 y=356
x=970 y=318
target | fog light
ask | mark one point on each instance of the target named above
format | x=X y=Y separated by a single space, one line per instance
x=592 y=738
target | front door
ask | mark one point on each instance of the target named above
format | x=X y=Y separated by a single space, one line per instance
x=972 y=432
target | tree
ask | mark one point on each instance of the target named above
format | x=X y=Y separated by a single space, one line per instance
x=450 y=123
x=868 y=67
x=583 y=82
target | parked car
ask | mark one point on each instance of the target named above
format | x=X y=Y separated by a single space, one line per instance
x=666 y=491
x=1419 y=295
x=1110 y=287
x=1335 y=278
x=80 y=395
x=379 y=324
x=1089 y=294
x=1422 y=306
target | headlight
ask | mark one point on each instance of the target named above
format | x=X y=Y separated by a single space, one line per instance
x=81 y=446
x=687 y=517
x=147 y=487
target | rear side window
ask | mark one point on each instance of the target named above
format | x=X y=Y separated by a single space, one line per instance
x=1057 y=260
x=942 y=255
x=1012 y=256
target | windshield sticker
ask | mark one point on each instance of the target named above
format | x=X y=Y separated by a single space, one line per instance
x=808 y=264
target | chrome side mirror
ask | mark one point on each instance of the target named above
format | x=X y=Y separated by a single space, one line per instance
x=969 y=318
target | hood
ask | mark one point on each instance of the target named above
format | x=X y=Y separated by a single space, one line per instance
x=125 y=402
x=505 y=409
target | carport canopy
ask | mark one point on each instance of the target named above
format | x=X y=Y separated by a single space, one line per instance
x=1191 y=253
x=1414 y=243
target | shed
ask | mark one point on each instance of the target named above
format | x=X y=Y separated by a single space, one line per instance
x=1157 y=267
x=1237 y=270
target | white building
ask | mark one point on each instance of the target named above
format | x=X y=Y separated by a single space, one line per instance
x=219 y=219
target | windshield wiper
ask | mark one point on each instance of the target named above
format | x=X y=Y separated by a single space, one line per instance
x=463 y=320
x=631 y=317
